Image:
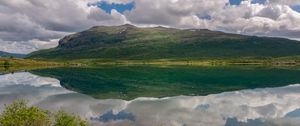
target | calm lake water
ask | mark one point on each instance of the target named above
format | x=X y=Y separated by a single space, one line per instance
x=163 y=96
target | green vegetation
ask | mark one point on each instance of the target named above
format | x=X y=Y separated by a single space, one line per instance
x=128 y=42
x=16 y=64
x=129 y=82
x=64 y=119
x=6 y=63
x=20 y=114
x=283 y=61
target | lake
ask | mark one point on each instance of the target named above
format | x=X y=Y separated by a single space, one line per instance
x=163 y=95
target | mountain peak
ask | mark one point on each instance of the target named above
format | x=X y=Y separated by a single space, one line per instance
x=127 y=25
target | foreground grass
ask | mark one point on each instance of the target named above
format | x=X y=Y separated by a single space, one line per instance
x=20 y=114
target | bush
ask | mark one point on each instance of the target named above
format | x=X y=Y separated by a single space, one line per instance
x=19 y=114
x=64 y=119
x=6 y=63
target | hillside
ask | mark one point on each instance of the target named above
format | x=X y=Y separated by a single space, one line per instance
x=6 y=54
x=131 y=42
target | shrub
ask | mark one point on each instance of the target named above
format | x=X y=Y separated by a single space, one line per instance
x=64 y=119
x=6 y=63
x=19 y=114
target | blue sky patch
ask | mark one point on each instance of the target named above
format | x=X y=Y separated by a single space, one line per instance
x=205 y=17
x=235 y=2
x=121 y=8
x=258 y=1
x=238 y=2
x=293 y=114
x=249 y=122
x=109 y=116
x=296 y=8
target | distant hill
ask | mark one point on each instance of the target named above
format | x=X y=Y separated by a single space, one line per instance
x=131 y=42
x=15 y=55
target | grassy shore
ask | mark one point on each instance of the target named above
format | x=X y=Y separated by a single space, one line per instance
x=283 y=61
x=16 y=64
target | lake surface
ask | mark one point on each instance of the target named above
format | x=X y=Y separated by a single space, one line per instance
x=163 y=96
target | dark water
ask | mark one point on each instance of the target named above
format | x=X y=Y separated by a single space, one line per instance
x=130 y=82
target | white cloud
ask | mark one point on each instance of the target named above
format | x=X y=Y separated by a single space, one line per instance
x=24 y=47
x=19 y=27
x=24 y=78
x=287 y=2
x=255 y=19
x=172 y=13
x=25 y=21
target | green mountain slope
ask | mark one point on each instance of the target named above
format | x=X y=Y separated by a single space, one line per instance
x=6 y=54
x=130 y=42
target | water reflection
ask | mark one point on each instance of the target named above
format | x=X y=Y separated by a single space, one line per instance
x=262 y=107
x=139 y=81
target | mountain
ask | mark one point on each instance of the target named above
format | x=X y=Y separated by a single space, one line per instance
x=6 y=54
x=131 y=42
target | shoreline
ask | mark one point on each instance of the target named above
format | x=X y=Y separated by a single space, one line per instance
x=17 y=64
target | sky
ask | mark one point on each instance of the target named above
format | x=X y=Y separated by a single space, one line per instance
x=30 y=25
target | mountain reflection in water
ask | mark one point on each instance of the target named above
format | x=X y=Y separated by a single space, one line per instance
x=131 y=82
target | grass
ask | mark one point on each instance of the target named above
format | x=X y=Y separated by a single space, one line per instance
x=282 y=61
x=17 y=64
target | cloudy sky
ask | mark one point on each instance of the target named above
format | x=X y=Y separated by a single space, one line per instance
x=29 y=25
